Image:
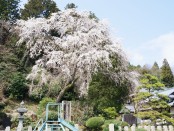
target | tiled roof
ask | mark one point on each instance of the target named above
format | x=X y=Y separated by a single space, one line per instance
x=167 y=91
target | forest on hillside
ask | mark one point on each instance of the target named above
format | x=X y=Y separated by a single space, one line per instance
x=49 y=55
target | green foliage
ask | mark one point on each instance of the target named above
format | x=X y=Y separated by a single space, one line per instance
x=148 y=104
x=123 y=124
x=116 y=123
x=55 y=33
x=155 y=70
x=110 y=113
x=166 y=74
x=38 y=8
x=103 y=92
x=144 y=70
x=42 y=105
x=124 y=110
x=151 y=83
x=81 y=111
x=9 y=10
x=93 y=16
x=52 y=115
x=54 y=90
x=140 y=129
x=134 y=68
x=70 y=6
x=106 y=125
x=17 y=88
x=95 y=123
x=11 y=66
x=154 y=115
x=39 y=93
x=147 y=99
x=70 y=95
x=27 y=121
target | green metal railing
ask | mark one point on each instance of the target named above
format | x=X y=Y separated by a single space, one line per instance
x=57 y=124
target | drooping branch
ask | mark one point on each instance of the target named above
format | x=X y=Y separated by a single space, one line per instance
x=69 y=40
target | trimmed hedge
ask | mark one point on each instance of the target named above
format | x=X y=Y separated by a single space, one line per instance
x=95 y=122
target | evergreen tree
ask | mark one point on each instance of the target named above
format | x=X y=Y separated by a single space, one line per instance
x=166 y=74
x=148 y=104
x=104 y=92
x=38 y=8
x=144 y=70
x=155 y=70
x=70 y=6
x=9 y=9
x=150 y=83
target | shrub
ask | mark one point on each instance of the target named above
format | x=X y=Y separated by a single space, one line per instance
x=42 y=104
x=95 y=123
x=27 y=121
x=110 y=113
x=123 y=124
x=116 y=124
x=18 y=89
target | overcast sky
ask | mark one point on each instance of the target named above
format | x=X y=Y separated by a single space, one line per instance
x=145 y=27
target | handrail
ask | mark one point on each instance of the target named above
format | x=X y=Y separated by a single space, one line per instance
x=40 y=121
x=54 y=124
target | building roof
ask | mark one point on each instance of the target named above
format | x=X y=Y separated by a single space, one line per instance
x=167 y=91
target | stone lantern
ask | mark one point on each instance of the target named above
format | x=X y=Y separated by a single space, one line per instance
x=21 y=110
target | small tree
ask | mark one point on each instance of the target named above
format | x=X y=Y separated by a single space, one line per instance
x=166 y=74
x=155 y=70
x=70 y=6
x=38 y=8
x=9 y=9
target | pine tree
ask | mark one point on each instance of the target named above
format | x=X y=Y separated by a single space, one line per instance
x=166 y=74
x=9 y=10
x=144 y=70
x=38 y=8
x=155 y=70
x=148 y=104
x=70 y=6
